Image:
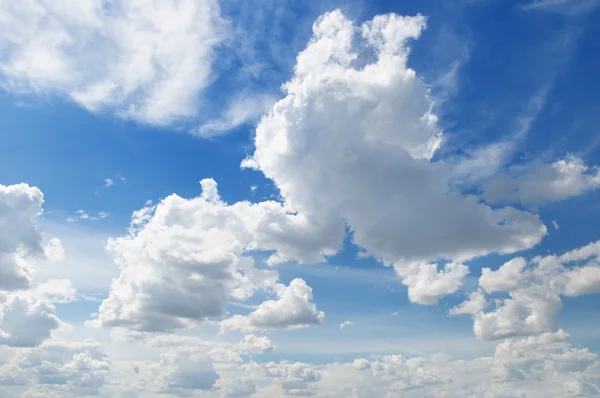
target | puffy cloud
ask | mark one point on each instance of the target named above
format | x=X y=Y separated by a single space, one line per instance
x=426 y=285
x=184 y=370
x=351 y=145
x=541 y=366
x=475 y=303
x=20 y=239
x=295 y=379
x=25 y=320
x=506 y=278
x=54 y=250
x=543 y=183
x=535 y=291
x=253 y=343
x=59 y=368
x=141 y=60
x=184 y=259
x=292 y=310
x=56 y=291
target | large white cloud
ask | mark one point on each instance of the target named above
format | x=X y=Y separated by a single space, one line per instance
x=184 y=259
x=351 y=144
x=143 y=60
x=543 y=182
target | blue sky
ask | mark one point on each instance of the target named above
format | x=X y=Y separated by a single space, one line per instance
x=401 y=185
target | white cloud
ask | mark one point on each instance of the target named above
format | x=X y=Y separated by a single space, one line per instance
x=25 y=320
x=569 y=7
x=345 y=324
x=534 y=292
x=84 y=215
x=140 y=60
x=108 y=182
x=56 y=291
x=182 y=370
x=540 y=183
x=351 y=145
x=243 y=109
x=476 y=303
x=506 y=278
x=292 y=310
x=59 y=368
x=54 y=251
x=184 y=259
x=253 y=343
x=20 y=238
x=426 y=285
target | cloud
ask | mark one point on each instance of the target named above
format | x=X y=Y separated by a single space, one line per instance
x=56 y=291
x=475 y=304
x=253 y=343
x=84 y=215
x=108 y=182
x=59 y=367
x=569 y=7
x=184 y=259
x=54 y=251
x=25 y=320
x=345 y=324
x=243 y=109
x=351 y=145
x=296 y=379
x=535 y=289
x=427 y=285
x=20 y=238
x=535 y=367
x=184 y=370
x=540 y=183
x=143 y=61
x=292 y=310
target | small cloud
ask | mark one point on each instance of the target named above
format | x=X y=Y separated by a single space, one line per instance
x=253 y=188
x=555 y=225
x=243 y=109
x=90 y=298
x=108 y=182
x=345 y=324
x=83 y=215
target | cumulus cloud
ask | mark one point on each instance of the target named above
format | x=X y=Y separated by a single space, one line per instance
x=182 y=370
x=25 y=320
x=20 y=238
x=475 y=303
x=540 y=183
x=540 y=366
x=140 y=60
x=351 y=145
x=59 y=368
x=184 y=259
x=426 y=285
x=253 y=343
x=292 y=310
x=535 y=289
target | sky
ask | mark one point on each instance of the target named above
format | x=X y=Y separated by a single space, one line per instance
x=292 y=198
